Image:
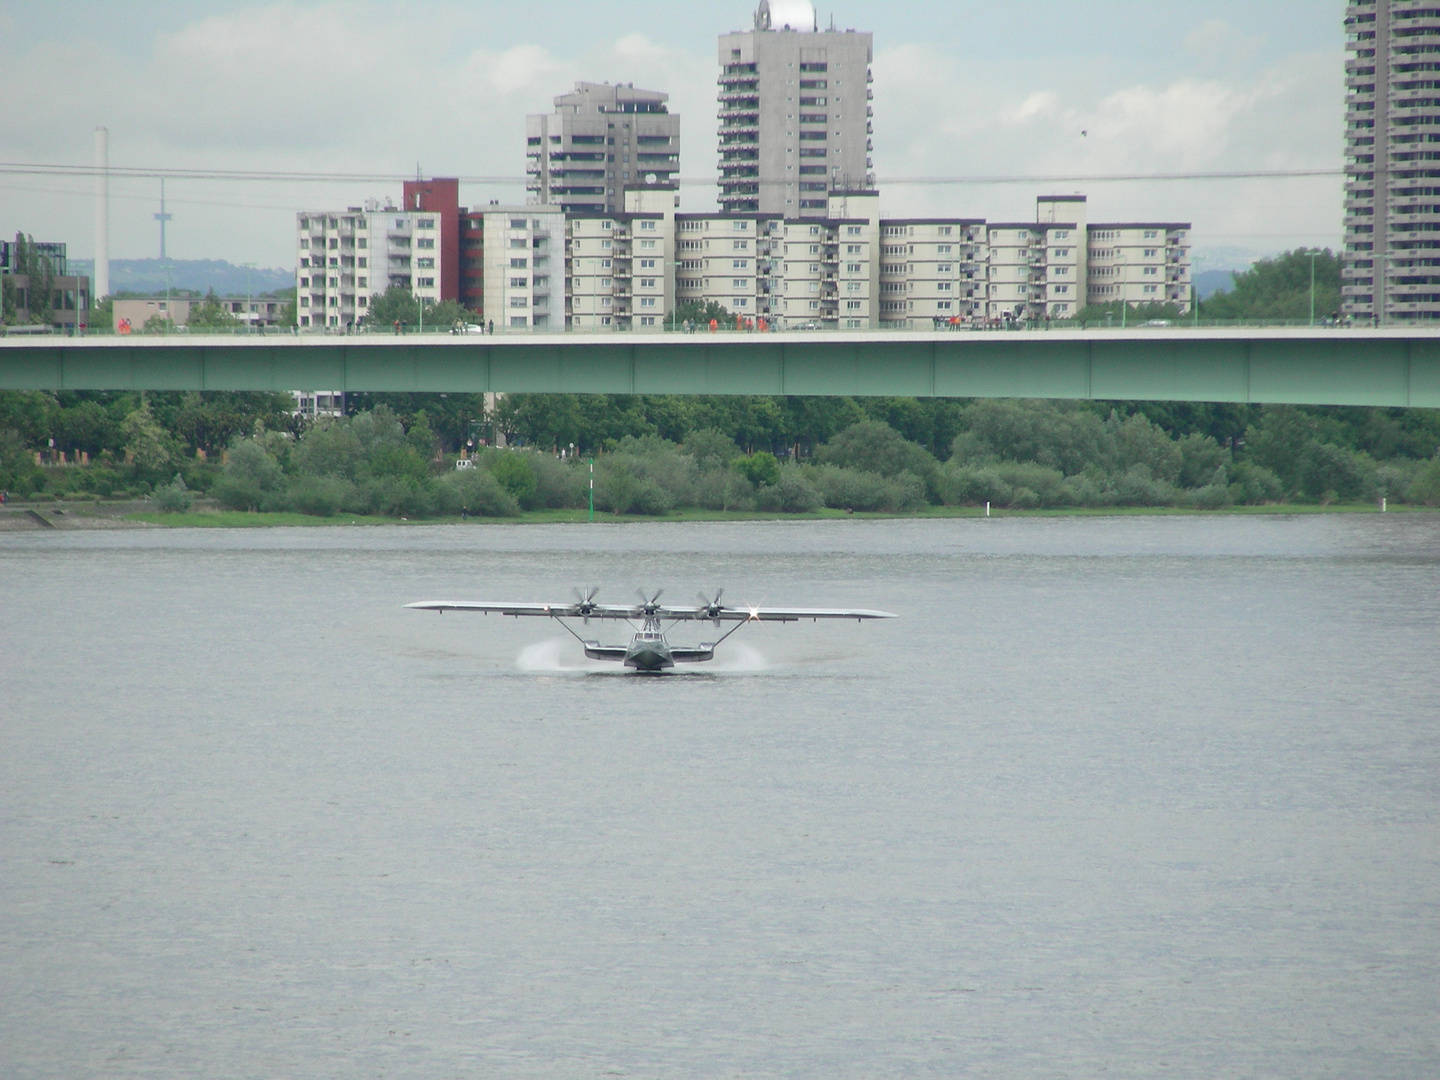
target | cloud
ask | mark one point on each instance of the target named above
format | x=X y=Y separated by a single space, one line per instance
x=1217 y=40
x=934 y=117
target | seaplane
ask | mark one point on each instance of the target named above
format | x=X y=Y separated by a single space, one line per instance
x=649 y=651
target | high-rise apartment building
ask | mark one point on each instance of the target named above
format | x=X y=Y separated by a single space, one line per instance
x=600 y=139
x=795 y=113
x=1391 y=265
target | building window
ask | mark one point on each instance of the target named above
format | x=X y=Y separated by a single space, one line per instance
x=647 y=301
x=647 y=320
x=519 y=264
x=425 y=282
x=517 y=321
x=519 y=282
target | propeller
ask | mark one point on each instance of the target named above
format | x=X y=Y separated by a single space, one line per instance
x=648 y=607
x=585 y=603
x=711 y=609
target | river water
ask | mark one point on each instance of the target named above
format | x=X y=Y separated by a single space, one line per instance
x=1124 y=796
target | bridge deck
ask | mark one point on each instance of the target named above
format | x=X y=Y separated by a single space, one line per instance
x=1387 y=367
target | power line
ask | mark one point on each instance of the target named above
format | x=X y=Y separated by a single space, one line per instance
x=264 y=176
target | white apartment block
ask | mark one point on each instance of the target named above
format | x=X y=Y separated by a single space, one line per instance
x=343 y=258
x=524 y=256
x=1140 y=264
x=932 y=270
x=620 y=268
x=731 y=260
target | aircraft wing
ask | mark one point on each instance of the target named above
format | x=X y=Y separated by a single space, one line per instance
x=768 y=614
x=544 y=611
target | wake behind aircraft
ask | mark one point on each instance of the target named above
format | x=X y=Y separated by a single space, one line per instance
x=648 y=650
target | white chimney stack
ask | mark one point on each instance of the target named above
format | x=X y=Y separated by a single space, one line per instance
x=100 y=287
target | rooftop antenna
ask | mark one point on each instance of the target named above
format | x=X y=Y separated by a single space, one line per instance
x=162 y=217
x=832 y=22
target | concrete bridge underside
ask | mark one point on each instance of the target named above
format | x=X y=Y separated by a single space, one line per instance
x=1303 y=367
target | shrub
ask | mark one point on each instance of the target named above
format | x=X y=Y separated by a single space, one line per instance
x=875 y=447
x=559 y=485
x=237 y=493
x=402 y=462
x=1331 y=472
x=174 y=497
x=791 y=493
x=1137 y=486
x=1200 y=456
x=724 y=489
x=1211 y=497
x=1137 y=441
x=249 y=461
x=623 y=488
x=1425 y=488
x=1046 y=484
x=970 y=485
x=321 y=496
x=710 y=449
x=329 y=448
x=1065 y=437
x=760 y=468
x=851 y=489
x=516 y=473
x=475 y=492
x=1255 y=485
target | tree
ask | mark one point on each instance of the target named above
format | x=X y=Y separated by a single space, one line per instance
x=1279 y=288
x=148 y=444
x=1117 y=312
x=395 y=304
x=41 y=272
x=701 y=314
x=209 y=314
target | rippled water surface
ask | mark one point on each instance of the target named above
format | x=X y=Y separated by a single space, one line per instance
x=1133 y=796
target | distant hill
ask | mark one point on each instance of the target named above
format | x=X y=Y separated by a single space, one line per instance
x=1209 y=282
x=202 y=275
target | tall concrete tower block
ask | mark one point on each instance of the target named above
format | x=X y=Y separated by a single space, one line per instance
x=101 y=285
x=795 y=113
x=600 y=140
x=1390 y=267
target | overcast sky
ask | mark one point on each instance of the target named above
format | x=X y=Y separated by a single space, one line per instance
x=962 y=88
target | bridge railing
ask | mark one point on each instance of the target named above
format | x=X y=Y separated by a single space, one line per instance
x=1056 y=326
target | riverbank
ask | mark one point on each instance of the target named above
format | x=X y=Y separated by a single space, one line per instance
x=132 y=514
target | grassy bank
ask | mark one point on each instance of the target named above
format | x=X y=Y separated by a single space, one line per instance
x=237 y=519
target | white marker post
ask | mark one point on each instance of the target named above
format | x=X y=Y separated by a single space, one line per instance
x=987 y=508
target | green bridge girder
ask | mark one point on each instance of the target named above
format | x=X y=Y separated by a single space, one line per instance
x=1383 y=367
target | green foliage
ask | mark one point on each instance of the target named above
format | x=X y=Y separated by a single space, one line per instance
x=147 y=444
x=1425 y=489
x=760 y=468
x=395 y=304
x=516 y=474
x=710 y=449
x=852 y=489
x=27 y=260
x=1279 y=288
x=644 y=476
x=1066 y=436
x=1118 y=313
x=701 y=315
x=210 y=315
x=790 y=493
x=874 y=446
x=476 y=493
x=174 y=497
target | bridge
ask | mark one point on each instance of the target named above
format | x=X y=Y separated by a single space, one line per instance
x=1381 y=367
